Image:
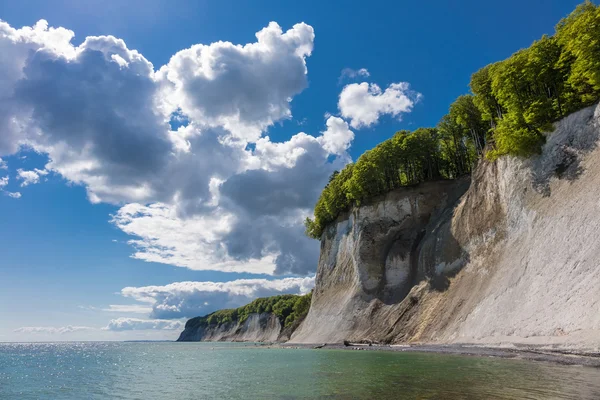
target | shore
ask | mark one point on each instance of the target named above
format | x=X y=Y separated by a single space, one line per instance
x=530 y=353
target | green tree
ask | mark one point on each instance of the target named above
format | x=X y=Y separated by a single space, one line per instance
x=579 y=36
x=465 y=113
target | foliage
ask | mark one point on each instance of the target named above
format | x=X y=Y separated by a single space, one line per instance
x=405 y=159
x=523 y=95
x=579 y=38
x=287 y=307
x=514 y=101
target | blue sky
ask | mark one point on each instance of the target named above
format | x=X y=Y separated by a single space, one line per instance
x=88 y=137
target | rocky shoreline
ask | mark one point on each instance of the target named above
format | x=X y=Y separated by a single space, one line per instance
x=529 y=353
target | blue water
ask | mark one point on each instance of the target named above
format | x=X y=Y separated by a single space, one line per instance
x=239 y=371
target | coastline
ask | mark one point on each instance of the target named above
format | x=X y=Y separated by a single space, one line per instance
x=529 y=353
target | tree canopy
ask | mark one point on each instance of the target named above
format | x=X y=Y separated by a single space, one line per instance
x=513 y=102
x=523 y=95
x=287 y=307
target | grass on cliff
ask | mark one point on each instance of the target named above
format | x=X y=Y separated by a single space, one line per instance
x=512 y=103
x=287 y=307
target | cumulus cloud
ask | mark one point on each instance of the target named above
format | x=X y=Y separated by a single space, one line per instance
x=190 y=299
x=192 y=242
x=102 y=114
x=52 y=330
x=363 y=103
x=349 y=73
x=244 y=88
x=30 y=177
x=337 y=137
x=130 y=324
x=181 y=148
x=251 y=221
x=3 y=164
x=3 y=183
x=128 y=308
x=16 y=46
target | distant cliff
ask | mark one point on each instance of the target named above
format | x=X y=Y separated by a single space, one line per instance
x=264 y=327
x=267 y=319
x=514 y=260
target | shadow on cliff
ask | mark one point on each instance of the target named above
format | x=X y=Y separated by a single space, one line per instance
x=440 y=255
x=562 y=155
x=435 y=253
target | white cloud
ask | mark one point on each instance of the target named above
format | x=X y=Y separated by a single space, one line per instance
x=349 y=73
x=3 y=164
x=198 y=197
x=128 y=308
x=270 y=200
x=364 y=103
x=190 y=299
x=100 y=112
x=130 y=324
x=52 y=330
x=244 y=88
x=193 y=242
x=30 y=177
x=16 y=46
x=336 y=139
x=3 y=182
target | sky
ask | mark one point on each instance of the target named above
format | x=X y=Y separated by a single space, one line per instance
x=158 y=158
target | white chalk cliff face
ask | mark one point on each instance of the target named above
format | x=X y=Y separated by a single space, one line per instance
x=515 y=259
x=257 y=328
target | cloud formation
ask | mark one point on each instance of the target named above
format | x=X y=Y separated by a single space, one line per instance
x=190 y=299
x=349 y=73
x=104 y=115
x=53 y=330
x=243 y=88
x=363 y=103
x=128 y=308
x=30 y=177
x=338 y=137
x=182 y=148
x=131 y=324
x=3 y=183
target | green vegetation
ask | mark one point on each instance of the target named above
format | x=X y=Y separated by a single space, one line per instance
x=288 y=307
x=513 y=102
x=523 y=95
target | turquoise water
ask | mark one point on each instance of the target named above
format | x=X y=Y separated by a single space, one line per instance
x=238 y=371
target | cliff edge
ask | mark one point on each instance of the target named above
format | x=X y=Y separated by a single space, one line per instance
x=512 y=257
x=264 y=327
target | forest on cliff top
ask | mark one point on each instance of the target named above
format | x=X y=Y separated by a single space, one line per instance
x=287 y=307
x=511 y=104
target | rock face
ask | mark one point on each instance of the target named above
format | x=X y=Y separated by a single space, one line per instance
x=257 y=328
x=515 y=259
x=373 y=257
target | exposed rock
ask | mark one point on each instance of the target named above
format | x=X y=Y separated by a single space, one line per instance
x=515 y=260
x=257 y=328
x=370 y=257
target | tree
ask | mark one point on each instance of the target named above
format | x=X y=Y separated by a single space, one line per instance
x=465 y=113
x=579 y=36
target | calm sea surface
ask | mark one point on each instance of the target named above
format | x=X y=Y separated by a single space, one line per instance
x=238 y=371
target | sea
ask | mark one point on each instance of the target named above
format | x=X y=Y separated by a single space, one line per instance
x=170 y=370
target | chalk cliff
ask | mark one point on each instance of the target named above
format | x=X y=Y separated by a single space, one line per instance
x=264 y=327
x=515 y=259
